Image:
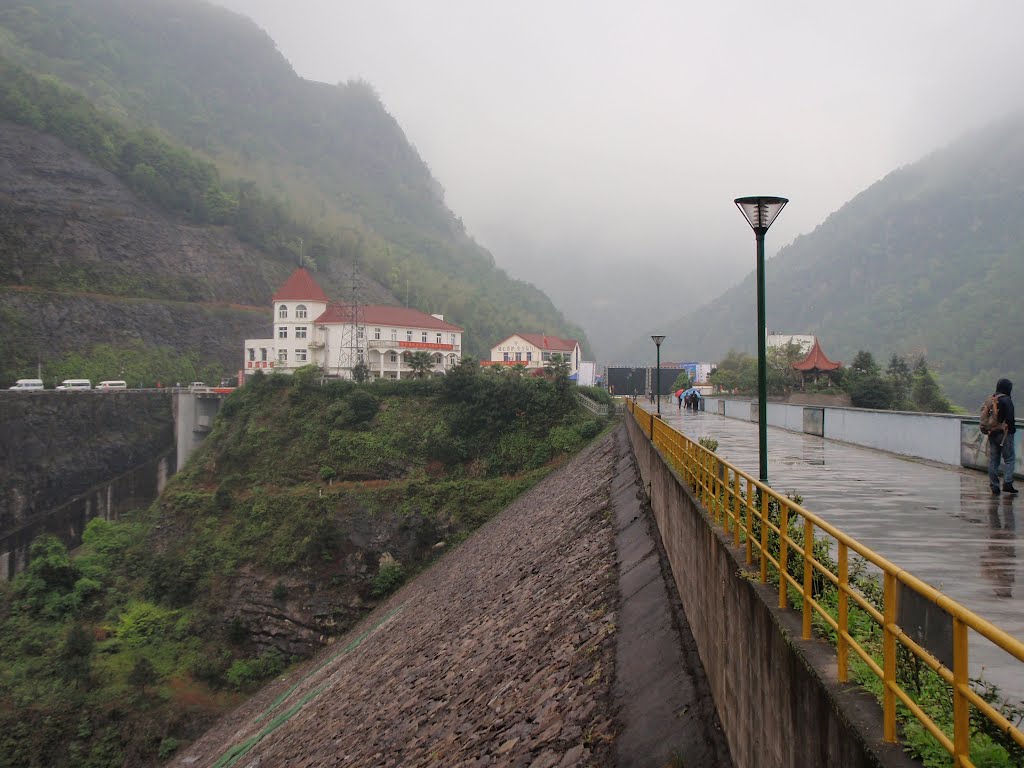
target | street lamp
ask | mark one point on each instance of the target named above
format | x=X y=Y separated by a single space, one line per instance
x=760 y=212
x=657 y=343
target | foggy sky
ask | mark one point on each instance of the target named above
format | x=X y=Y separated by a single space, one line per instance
x=578 y=137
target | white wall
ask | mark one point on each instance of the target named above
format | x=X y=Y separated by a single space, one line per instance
x=936 y=437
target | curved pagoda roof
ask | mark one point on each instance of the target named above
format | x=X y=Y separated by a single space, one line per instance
x=816 y=360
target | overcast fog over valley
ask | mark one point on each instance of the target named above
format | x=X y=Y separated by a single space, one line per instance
x=595 y=148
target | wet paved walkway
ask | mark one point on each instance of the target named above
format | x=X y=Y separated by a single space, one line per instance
x=939 y=523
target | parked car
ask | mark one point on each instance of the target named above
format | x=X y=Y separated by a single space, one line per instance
x=197 y=385
x=118 y=384
x=69 y=384
x=28 y=384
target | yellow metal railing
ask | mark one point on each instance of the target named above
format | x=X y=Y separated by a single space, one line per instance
x=762 y=521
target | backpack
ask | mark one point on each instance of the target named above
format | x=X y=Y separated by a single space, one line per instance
x=988 y=417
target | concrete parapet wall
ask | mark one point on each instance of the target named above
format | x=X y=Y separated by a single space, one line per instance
x=777 y=696
x=932 y=436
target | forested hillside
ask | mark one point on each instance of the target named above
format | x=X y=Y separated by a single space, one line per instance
x=193 y=110
x=929 y=260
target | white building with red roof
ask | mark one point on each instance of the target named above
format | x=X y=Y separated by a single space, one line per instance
x=534 y=350
x=310 y=329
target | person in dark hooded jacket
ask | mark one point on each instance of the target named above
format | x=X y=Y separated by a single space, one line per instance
x=1000 y=441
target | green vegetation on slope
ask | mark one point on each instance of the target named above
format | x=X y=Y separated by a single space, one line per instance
x=350 y=184
x=305 y=502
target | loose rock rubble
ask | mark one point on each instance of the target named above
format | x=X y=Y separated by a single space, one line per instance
x=502 y=654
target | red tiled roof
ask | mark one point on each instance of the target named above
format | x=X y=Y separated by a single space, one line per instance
x=381 y=314
x=816 y=360
x=543 y=341
x=300 y=287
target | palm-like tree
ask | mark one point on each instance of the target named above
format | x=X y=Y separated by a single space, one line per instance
x=557 y=366
x=421 y=362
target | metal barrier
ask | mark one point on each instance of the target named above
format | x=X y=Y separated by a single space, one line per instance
x=779 y=534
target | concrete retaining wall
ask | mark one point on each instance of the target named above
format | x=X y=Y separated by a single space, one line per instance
x=932 y=436
x=109 y=500
x=777 y=695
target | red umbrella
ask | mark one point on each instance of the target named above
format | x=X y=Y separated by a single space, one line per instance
x=679 y=392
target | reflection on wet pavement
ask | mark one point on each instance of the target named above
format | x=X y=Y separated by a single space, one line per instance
x=939 y=523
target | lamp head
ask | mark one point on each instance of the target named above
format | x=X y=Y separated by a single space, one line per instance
x=760 y=211
x=657 y=340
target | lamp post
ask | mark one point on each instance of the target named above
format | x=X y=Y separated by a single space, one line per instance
x=657 y=377
x=760 y=212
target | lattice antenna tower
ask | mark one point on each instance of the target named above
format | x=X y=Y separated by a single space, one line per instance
x=353 y=332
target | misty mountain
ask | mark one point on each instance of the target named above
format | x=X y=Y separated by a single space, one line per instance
x=928 y=260
x=338 y=179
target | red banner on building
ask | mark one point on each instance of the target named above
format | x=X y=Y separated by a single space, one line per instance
x=424 y=345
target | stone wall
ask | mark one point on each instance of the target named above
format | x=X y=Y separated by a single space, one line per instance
x=777 y=695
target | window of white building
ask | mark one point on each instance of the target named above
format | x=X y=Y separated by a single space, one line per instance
x=252 y=353
x=529 y=357
x=394 y=335
x=394 y=357
x=300 y=312
x=282 y=356
x=439 y=338
x=282 y=331
x=423 y=337
x=263 y=354
x=506 y=356
x=519 y=357
x=300 y=355
x=282 y=312
x=376 y=333
x=408 y=335
x=300 y=332
x=453 y=340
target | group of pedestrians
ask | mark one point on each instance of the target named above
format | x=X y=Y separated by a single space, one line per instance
x=1000 y=441
x=690 y=401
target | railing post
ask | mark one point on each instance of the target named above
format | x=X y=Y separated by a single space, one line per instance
x=889 y=659
x=749 y=518
x=808 y=576
x=842 y=646
x=961 y=706
x=736 y=511
x=783 y=549
x=763 y=517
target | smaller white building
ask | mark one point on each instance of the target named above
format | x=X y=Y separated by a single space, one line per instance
x=534 y=350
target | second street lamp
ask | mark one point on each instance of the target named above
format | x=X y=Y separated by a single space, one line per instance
x=760 y=212
x=657 y=376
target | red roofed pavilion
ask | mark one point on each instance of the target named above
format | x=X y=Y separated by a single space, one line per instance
x=816 y=362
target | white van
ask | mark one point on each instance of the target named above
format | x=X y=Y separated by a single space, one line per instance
x=28 y=384
x=112 y=385
x=69 y=384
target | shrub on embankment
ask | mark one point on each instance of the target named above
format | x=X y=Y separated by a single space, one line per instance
x=305 y=506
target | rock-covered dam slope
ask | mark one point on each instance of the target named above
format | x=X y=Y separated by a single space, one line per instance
x=502 y=653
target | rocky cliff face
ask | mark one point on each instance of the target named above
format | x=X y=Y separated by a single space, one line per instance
x=65 y=222
x=68 y=226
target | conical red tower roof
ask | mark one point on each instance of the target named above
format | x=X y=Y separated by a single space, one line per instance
x=300 y=287
x=816 y=360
